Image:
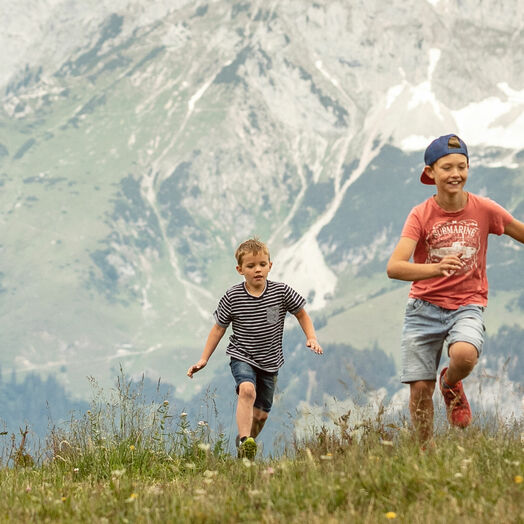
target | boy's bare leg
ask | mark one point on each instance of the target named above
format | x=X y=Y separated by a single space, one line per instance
x=246 y=399
x=421 y=408
x=259 y=419
x=462 y=359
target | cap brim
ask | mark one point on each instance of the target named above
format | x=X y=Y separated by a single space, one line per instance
x=426 y=180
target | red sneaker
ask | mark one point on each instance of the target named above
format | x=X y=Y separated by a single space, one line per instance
x=457 y=405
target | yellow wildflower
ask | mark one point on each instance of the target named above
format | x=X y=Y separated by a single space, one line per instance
x=391 y=515
x=132 y=497
x=518 y=479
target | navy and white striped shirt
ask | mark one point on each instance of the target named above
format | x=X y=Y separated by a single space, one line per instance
x=258 y=322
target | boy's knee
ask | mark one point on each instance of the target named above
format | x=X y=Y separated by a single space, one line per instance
x=247 y=391
x=463 y=354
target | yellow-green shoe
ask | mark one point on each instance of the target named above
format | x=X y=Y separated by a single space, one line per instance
x=248 y=449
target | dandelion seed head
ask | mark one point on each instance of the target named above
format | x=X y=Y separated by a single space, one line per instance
x=155 y=490
x=465 y=463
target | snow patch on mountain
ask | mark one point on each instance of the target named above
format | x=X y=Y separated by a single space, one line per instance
x=494 y=121
x=303 y=267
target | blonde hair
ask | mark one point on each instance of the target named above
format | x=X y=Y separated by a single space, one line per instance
x=253 y=245
x=454 y=142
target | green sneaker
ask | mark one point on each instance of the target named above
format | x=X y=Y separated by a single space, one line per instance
x=248 y=449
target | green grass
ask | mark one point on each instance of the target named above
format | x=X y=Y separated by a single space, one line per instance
x=127 y=460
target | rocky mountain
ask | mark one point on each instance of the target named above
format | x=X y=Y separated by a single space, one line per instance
x=140 y=142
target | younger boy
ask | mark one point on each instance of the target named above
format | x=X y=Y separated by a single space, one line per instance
x=257 y=308
x=447 y=237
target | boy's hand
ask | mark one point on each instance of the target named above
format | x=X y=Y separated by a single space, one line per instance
x=196 y=367
x=450 y=264
x=313 y=344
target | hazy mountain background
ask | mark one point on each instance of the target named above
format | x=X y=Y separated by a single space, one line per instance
x=140 y=142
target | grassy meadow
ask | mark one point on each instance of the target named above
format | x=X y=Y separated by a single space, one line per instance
x=125 y=460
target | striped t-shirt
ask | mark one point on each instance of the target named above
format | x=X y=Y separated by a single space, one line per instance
x=258 y=322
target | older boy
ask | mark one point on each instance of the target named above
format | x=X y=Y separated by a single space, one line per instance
x=257 y=308
x=447 y=237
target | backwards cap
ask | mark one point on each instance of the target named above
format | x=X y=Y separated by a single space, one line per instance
x=441 y=147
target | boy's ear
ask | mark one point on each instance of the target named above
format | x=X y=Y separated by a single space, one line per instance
x=428 y=171
x=239 y=269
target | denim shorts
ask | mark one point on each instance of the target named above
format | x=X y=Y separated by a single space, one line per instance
x=428 y=328
x=263 y=381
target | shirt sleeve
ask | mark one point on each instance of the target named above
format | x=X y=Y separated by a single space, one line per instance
x=412 y=228
x=293 y=302
x=222 y=314
x=499 y=218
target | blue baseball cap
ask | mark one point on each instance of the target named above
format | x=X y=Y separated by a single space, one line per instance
x=441 y=147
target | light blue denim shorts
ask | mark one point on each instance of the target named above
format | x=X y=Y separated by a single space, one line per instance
x=429 y=328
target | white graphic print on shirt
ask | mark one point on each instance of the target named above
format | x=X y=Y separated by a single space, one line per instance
x=454 y=237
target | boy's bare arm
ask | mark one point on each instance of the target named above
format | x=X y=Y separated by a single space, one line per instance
x=515 y=229
x=214 y=337
x=309 y=330
x=401 y=267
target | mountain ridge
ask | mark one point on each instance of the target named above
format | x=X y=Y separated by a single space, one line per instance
x=135 y=158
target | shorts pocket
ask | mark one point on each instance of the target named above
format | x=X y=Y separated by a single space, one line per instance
x=414 y=305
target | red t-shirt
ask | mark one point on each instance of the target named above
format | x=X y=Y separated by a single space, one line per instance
x=439 y=233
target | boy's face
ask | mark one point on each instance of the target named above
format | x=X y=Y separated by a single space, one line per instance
x=255 y=268
x=449 y=172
